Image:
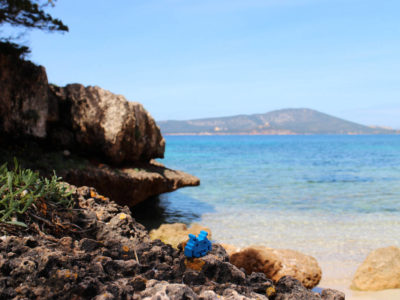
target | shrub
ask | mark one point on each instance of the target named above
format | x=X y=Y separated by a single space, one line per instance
x=21 y=188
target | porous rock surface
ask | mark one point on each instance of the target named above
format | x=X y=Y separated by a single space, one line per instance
x=90 y=122
x=379 y=271
x=276 y=263
x=289 y=288
x=89 y=119
x=23 y=94
x=112 y=257
x=177 y=233
x=96 y=120
x=130 y=185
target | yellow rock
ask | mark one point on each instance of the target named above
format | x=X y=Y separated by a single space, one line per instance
x=177 y=233
x=194 y=263
x=270 y=291
x=379 y=271
x=276 y=263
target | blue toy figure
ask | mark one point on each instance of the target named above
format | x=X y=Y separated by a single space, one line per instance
x=198 y=246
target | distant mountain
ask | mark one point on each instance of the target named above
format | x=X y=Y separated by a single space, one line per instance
x=284 y=121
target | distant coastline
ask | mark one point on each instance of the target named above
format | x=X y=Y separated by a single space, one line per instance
x=294 y=121
x=397 y=132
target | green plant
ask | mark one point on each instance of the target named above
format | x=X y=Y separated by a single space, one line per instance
x=21 y=188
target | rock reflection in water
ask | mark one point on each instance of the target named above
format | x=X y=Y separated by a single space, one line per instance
x=170 y=208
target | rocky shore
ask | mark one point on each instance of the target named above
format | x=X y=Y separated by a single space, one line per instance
x=94 y=249
x=112 y=141
x=111 y=256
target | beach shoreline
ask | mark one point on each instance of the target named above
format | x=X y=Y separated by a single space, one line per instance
x=390 y=294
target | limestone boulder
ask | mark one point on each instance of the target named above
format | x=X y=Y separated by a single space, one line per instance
x=177 y=233
x=379 y=271
x=95 y=120
x=276 y=263
x=132 y=185
x=23 y=98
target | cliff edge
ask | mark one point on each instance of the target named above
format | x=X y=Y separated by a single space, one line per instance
x=112 y=136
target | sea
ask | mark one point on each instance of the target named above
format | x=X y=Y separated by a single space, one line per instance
x=335 y=197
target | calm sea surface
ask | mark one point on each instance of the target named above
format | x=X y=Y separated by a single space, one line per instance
x=333 y=197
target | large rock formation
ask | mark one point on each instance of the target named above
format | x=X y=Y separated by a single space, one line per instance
x=130 y=185
x=276 y=263
x=91 y=119
x=94 y=120
x=89 y=122
x=23 y=95
x=379 y=271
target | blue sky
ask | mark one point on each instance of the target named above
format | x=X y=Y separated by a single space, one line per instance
x=185 y=59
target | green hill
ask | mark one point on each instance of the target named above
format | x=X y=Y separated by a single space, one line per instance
x=284 y=121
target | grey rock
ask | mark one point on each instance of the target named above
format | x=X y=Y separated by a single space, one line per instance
x=209 y=295
x=23 y=105
x=231 y=294
x=171 y=290
x=222 y=272
x=106 y=124
x=180 y=291
x=331 y=294
x=130 y=185
x=289 y=288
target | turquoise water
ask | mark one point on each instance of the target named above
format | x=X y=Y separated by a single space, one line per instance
x=334 y=197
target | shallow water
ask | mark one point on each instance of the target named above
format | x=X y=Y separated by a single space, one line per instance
x=333 y=197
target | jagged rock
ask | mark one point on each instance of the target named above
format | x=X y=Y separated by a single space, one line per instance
x=230 y=294
x=112 y=257
x=165 y=290
x=130 y=186
x=104 y=123
x=209 y=295
x=330 y=294
x=87 y=122
x=220 y=271
x=379 y=271
x=289 y=288
x=276 y=263
x=177 y=233
x=23 y=105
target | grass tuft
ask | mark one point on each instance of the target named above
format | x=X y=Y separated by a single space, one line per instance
x=21 y=188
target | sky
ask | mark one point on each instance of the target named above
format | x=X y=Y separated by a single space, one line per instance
x=187 y=59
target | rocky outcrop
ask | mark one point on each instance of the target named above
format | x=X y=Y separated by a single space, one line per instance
x=276 y=263
x=97 y=121
x=379 y=271
x=89 y=122
x=177 y=233
x=98 y=251
x=130 y=186
x=23 y=97
x=289 y=288
x=89 y=119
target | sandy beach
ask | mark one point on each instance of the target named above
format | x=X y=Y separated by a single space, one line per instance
x=378 y=295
